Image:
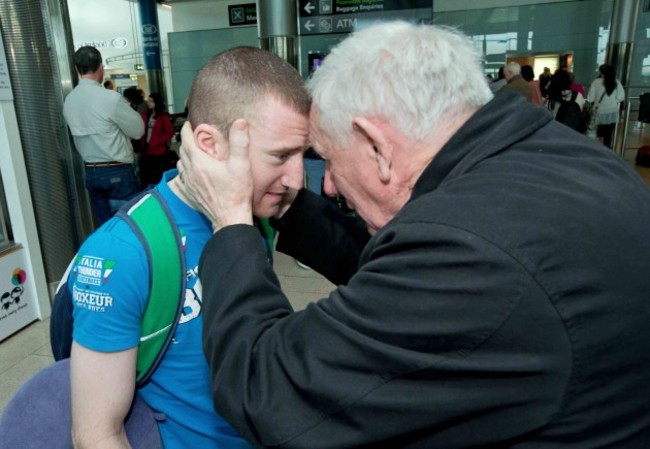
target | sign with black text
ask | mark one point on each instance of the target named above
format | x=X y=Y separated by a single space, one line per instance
x=310 y=8
x=343 y=16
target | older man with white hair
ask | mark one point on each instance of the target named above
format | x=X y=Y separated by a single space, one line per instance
x=516 y=83
x=497 y=298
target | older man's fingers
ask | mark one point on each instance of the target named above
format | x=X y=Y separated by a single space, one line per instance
x=186 y=134
x=238 y=141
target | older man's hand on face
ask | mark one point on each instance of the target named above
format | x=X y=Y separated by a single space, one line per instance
x=217 y=180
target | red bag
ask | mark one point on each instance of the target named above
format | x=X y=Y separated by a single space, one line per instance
x=643 y=156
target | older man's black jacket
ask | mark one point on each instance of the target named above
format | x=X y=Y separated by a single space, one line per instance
x=506 y=305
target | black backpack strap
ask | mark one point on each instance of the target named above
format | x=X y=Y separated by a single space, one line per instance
x=61 y=318
x=151 y=220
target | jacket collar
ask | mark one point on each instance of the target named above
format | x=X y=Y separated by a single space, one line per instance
x=506 y=119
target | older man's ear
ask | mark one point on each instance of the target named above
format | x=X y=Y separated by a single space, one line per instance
x=209 y=140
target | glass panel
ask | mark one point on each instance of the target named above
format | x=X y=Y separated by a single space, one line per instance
x=576 y=28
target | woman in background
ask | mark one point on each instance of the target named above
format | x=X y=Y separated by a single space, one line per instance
x=154 y=159
x=559 y=90
x=528 y=74
x=606 y=92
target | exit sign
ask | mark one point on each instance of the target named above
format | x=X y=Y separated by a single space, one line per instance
x=139 y=67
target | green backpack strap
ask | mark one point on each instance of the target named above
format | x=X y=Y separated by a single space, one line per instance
x=151 y=220
x=267 y=231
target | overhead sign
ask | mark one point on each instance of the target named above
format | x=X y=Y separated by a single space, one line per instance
x=150 y=35
x=343 y=16
x=245 y=14
x=310 y=8
x=117 y=42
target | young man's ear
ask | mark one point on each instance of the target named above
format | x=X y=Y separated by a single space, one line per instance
x=375 y=135
x=210 y=141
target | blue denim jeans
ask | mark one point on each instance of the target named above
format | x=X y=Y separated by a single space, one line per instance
x=109 y=187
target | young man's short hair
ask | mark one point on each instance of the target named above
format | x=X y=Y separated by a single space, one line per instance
x=232 y=83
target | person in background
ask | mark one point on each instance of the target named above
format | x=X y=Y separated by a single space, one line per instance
x=101 y=123
x=154 y=157
x=498 y=296
x=143 y=107
x=577 y=87
x=498 y=83
x=544 y=81
x=528 y=75
x=515 y=82
x=560 y=90
x=135 y=99
x=606 y=92
x=108 y=84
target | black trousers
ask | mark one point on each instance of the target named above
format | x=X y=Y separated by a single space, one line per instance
x=606 y=132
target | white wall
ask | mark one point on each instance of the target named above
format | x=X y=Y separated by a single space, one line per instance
x=106 y=23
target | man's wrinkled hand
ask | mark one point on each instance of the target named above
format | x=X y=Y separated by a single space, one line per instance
x=218 y=183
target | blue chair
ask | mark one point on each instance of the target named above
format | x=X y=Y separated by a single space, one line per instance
x=38 y=415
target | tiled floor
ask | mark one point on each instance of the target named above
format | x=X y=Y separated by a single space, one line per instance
x=638 y=134
x=28 y=351
x=21 y=355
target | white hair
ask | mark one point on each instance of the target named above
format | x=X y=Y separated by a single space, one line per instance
x=514 y=68
x=413 y=76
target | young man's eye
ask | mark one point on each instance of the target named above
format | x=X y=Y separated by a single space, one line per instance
x=282 y=157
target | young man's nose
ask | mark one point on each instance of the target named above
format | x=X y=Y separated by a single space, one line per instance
x=293 y=177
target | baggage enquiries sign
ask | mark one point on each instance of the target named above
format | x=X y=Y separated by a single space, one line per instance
x=344 y=16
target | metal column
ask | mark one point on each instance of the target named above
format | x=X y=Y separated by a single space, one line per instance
x=621 y=37
x=619 y=54
x=277 y=26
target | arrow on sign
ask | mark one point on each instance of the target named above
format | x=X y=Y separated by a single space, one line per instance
x=309 y=25
x=309 y=7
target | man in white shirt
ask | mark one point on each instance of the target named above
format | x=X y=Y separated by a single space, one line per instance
x=102 y=122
